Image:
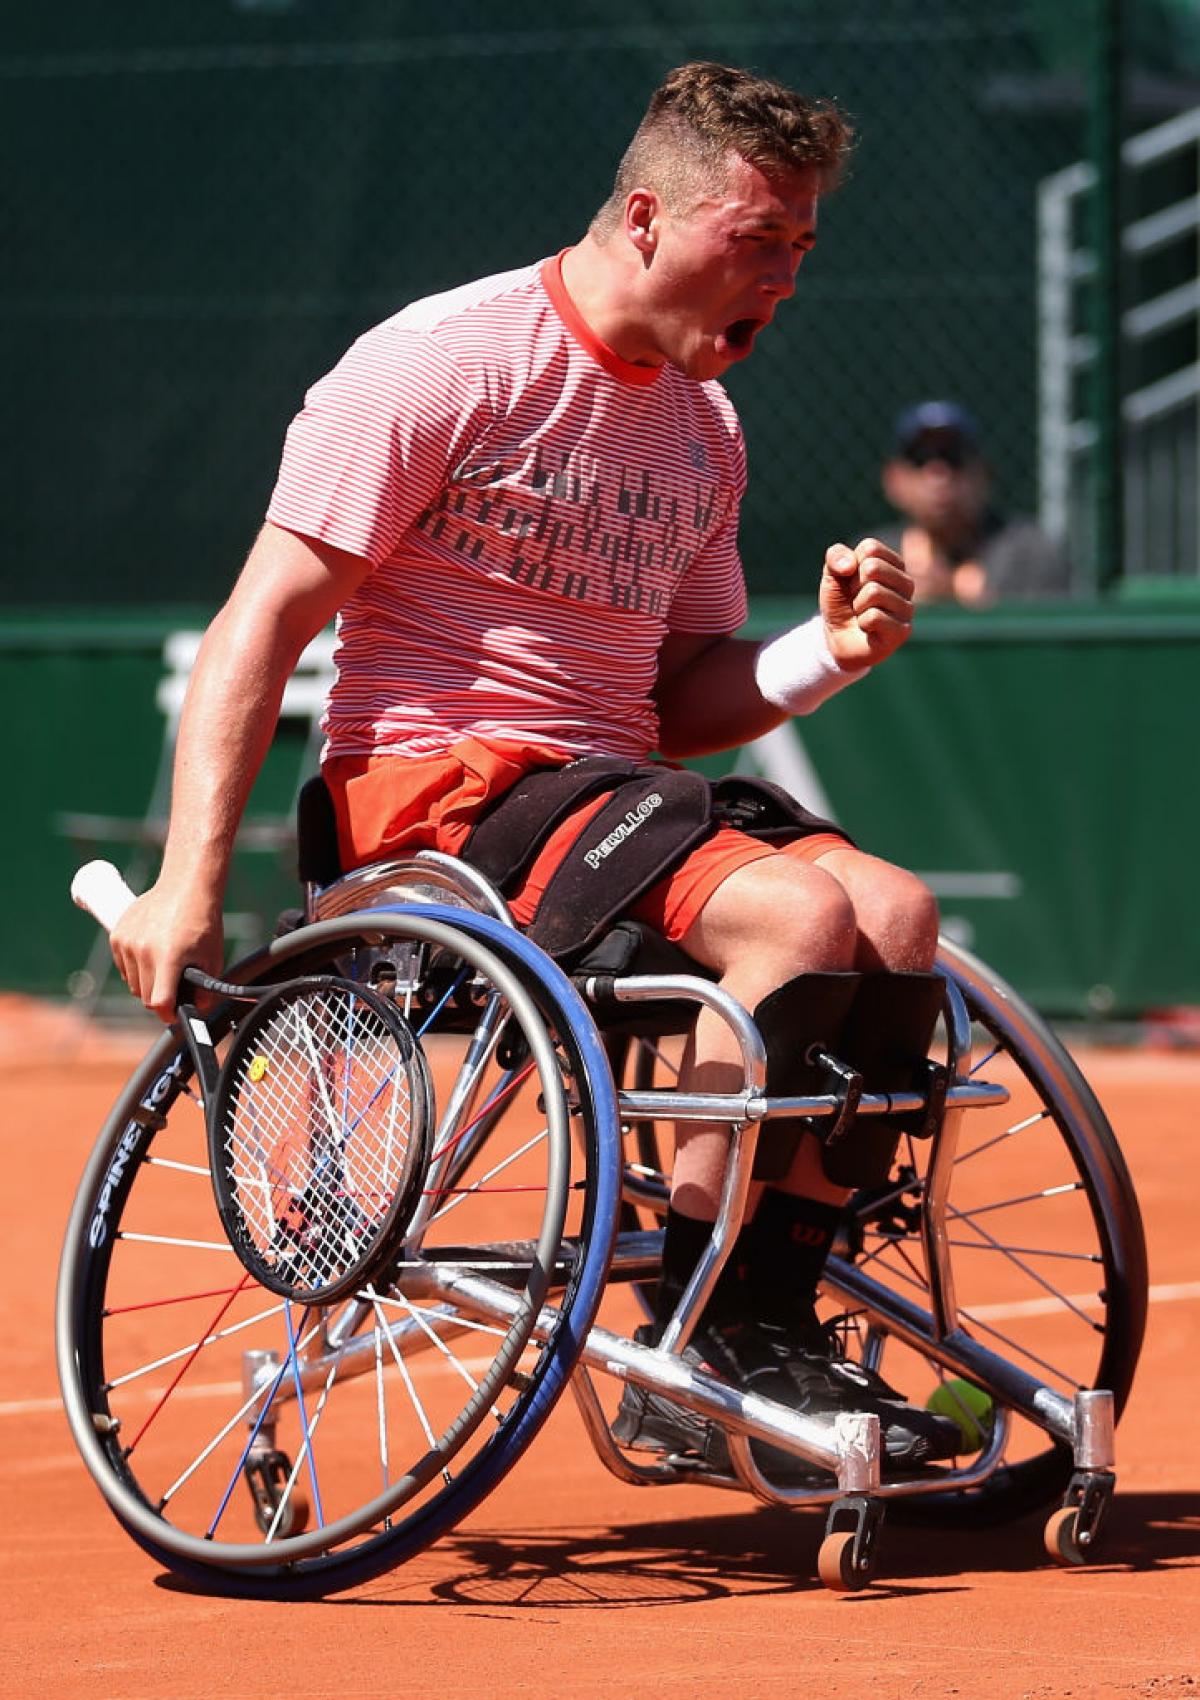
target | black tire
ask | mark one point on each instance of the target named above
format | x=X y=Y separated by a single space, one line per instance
x=394 y=1464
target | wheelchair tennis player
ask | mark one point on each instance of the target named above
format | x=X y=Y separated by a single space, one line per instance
x=520 y=500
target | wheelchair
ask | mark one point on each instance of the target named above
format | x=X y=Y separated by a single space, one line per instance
x=264 y=1443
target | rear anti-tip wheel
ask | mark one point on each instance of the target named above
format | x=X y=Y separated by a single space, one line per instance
x=1061 y=1537
x=837 y=1566
x=280 y=1509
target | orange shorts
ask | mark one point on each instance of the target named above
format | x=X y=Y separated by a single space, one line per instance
x=395 y=805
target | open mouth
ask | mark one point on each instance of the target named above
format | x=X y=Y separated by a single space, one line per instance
x=738 y=338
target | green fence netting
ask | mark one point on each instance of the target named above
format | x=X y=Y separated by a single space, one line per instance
x=206 y=201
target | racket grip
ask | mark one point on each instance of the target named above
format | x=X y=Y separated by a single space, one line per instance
x=99 y=888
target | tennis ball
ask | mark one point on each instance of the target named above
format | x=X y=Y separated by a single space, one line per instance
x=966 y=1405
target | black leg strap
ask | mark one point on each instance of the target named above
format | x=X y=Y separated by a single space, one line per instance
x=886 y=1038
x=799 y=1021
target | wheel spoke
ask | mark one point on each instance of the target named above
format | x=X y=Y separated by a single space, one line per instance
x=193 y=1346
x=968 y=1215
x=481 y=1185
x=660 y=1057
x=306 y=1450
x=184 y=1367
x=914 y=1184
x=298 y=1382
x=1028 y=1250
x=381 y=1404
x=907 y=1259
x=887 y=1242
x=153 y=1162
x=904 y=1274
x=983 y=1061
x=999 y=1138
x=1061 y=1375
x=176 y=1299
x=993 y=1244
x=413 y=1396
x=267 y=1394
x=436 y=1341
x=494 y=1102
x=173 y=1240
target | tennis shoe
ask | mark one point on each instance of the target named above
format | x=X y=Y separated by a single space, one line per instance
x=740 y=1354
x=825 y=1383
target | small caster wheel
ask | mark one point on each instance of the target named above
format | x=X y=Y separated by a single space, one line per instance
x=267 y=1476
x=1061 y=1537
x=293 y=1519
x=836 y=1566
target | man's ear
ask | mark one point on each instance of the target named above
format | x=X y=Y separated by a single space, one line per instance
x=642 y=210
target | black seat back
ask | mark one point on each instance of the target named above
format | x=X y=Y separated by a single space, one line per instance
x=317 y=859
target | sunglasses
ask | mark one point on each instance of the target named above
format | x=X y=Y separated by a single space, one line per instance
x=954 y=455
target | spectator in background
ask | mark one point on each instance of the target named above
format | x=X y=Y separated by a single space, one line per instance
x=956 y=546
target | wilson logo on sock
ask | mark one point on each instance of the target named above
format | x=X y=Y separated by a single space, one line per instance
x=804 y=1233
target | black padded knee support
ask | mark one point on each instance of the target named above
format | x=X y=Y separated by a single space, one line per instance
x=798 y=1018
x=886 y=1038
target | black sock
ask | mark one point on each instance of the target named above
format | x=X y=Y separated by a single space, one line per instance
x=683 y=1246
x=790 y=1242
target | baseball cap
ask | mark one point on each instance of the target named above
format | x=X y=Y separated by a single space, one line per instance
x=942 y=418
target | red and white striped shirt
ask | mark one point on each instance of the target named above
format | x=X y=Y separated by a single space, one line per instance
x=538 y=513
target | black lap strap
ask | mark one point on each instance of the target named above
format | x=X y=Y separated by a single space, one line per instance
x=506 y=838
x=646 y=828
x=653 y=818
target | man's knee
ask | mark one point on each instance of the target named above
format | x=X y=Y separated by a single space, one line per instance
x=898 y=920
x=783 y=918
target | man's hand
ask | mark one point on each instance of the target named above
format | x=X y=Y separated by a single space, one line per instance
x=159 y=936
x=866 y=602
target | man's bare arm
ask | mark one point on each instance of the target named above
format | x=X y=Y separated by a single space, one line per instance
x=710 y=690
x=706 y=695
x=287 y=592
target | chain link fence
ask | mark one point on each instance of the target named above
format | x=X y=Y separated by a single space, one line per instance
x=210 y=200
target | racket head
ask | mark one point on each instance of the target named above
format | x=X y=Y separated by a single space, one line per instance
x=319 y=1135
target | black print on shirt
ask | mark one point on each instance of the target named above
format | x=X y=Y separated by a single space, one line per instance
x=577 y=528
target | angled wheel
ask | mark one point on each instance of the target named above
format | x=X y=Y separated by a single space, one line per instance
x=1046 y=1244
x=390 y=1413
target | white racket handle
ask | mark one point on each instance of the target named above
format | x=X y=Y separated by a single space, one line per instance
x=99 y=889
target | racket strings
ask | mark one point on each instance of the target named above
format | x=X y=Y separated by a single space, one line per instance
x=319 y=1134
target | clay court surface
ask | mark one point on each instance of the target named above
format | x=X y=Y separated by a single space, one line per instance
x=567 y=1582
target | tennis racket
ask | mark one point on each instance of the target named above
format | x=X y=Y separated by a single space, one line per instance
x=318 y=1120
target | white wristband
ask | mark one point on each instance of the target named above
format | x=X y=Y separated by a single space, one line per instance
x=796 y=670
